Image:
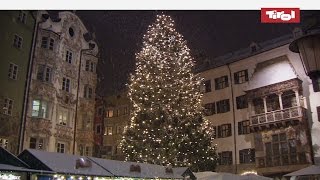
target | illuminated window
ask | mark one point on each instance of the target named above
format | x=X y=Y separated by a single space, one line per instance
x=40 y=109
x=7 y=106
x=221 y=82
x=88 y=92
x=109 y=113
x=13 y=71
x=4 y=143
x=108 y=131
x=241 y=76
x=63 y=116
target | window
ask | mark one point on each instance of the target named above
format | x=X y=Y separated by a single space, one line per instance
x=119 y=130
x=17 y=41
x=108 y=131
x=8 y=106
x=316 y=83
x=92 y=67
x=223 y=106
x=69 y=56
x=98 y=129
x=207 y=86
x=44 y=73
x=244 y=127
x=40 y=109
x=63 y=116
x=22 y=17
x=66 y=84
x=281 y=151
x=4 y=143
x=87 y=65
x=36 y=143
x=224 y=130
x=242 y=102
x=109 y=113
x=100 y=111
x=86 y=122
x=225 y=158
x=60 y=147
x=214 y=129
x=318 y=112
x=247 y=156
x=209 y=109
x=241 y=76
x=47 y=43
x=88 y=151
x=221 y=82
x=13 y=71
x=88 y=92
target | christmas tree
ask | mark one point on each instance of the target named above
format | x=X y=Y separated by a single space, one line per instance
x=167 y=126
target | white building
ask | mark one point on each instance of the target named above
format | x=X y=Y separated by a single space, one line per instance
x=61 y=101
x=264 y=109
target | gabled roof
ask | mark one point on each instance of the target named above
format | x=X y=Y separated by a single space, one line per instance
x=8 y=158
x=122 y=169
x=60 y=163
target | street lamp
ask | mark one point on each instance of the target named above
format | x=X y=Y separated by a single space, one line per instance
x=308 y=46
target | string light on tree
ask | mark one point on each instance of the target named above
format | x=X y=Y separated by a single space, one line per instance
x=167 y=125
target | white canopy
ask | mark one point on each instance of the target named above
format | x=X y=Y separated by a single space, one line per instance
x=311 y=170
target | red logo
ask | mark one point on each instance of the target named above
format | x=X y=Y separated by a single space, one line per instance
x=280 y=15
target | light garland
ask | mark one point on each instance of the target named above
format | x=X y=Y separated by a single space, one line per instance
x=167 y=125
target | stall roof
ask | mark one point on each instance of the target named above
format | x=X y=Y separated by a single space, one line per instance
x=60 y=163
x=311 y=170
x=6 y=167
x=8 y=158
x=122 y=169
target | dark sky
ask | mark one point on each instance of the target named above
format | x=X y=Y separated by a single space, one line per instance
x=213 y=33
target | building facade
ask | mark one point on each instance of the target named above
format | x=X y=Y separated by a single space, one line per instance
x=61 y=98
x=263 y=108
x=16 y=39
x=116 y=117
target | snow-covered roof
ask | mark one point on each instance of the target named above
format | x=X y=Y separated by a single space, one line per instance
x=61 y=163
x=122 y=169
x=271 y=72
x=6 y=167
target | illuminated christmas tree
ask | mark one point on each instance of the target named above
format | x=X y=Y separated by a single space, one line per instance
x=167 y=126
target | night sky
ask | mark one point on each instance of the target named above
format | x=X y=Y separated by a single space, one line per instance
x=210 y=33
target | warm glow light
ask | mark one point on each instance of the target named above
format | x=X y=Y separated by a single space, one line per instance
x=249 y=172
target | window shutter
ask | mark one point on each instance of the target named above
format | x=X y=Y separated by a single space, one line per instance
x=219 y=158
x=230 y=157
x=318 y=110
x=246 y=75
x=239 y=128
x=219 y=131
x=226 y=80
x=216 y=83
x=241 y=156
x=228 y=105
x=252 y=155
x=236 y=78
x=229 y=128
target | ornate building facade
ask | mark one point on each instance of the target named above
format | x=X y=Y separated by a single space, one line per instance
x=263 y=108
x=16 y=41
x=61 y=98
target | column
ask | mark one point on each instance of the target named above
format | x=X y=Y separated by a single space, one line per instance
x=280 y=100
x=297 y=96
x=265 y=104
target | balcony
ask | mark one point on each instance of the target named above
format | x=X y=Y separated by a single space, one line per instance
x=39 y=125
x=283 y=115
x=64 y=132
x=85 y=135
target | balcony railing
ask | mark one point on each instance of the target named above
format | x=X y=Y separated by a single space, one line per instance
x=279 y=115
x=281 y=160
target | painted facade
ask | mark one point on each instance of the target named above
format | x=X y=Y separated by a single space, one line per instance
x=116 y=117
x=16 y=36
x=61 y=99
x=263 y=107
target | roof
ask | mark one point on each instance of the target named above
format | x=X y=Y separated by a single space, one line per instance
x=311 y=170
x=10 y=159
x=244 y=53
x=61 y=163
x=122 y=169
x=6 y=167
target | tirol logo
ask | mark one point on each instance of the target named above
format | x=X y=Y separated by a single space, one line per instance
x=280 y=15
